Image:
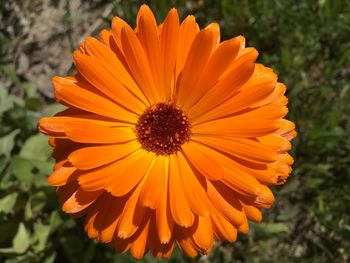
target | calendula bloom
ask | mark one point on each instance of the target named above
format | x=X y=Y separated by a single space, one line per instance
x=170 y=136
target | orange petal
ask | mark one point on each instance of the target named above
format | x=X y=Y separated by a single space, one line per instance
x=133 y=214
x=285 y=128
x=276 y=94
x=66 y=191
x=55 y=125
x=244 y=228
x=114 y=41
x=268 y=112
x=242 y=42
x=231 y=174
x=63 y=147
x=138 y=63
x=199 y=201
x=188 y=31
x=264 y=173
x=215 y=29
x=86 y=100
x=63 y=175
x=109 y=211
x=265 y=197
x=243 y=148
x=276 y=142
x=93 y=133
x=96 y=156
x=223 y=229
x=52 y=126
x=203 y=235
x=219 y=61
x=98 y=178
x=139 y=247
x=152 y=191
x=183 y=237
x=226 y=202
x=169 y=39
x=148 y=35
x=122 y=182
x=252 y=94
x=104 y=79
x=238 y=74
x=93 y=229
x=198 y=156
x=241 y=183
x=112 y=64
x=122 y=245
x=104 y=37
x=110 y=221
x=196 y=61
x=158 y=249
x=164 y=219
x=236 y=127
x=117 y=26
x=285 y=158
x=80 y=200
x=252 y=213
x=179 y=207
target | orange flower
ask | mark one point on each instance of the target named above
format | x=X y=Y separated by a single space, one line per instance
x=170 y=136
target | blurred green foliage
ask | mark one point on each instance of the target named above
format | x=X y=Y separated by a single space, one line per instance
x=307 y=43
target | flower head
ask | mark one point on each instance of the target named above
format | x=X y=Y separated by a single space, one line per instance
x=169 y=137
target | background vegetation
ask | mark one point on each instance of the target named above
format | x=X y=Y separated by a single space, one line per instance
x=306 y=42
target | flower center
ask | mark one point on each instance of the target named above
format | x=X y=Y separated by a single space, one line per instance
x=163 y=129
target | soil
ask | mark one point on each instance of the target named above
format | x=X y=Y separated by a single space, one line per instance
x=37 y=37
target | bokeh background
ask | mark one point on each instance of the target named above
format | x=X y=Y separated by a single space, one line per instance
x=306 y=42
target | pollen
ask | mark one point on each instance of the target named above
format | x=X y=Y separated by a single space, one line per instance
x=163 y=129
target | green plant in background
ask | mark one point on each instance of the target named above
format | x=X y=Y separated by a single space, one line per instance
x=308 y=41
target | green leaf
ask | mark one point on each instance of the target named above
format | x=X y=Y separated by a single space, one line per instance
x=319 y=169
x=7 y=143
x=32 y=104
x=44 y=167
x=55 y=220
x=20 y=242
x=28 y=213
x=73 y=248
x=41 y=179
x=3 y=163
x=6 y=102
x=30 y=90
x=41 y=234
x=89 y=253
x=6 y=181
x=38 y=201
x=8 y=202
x=266 y=230
x=36 y=148
x=10 y=72
x=313 y=183
x=52 y=109
x=50 y=258
x=23 y=171
x=8 y=230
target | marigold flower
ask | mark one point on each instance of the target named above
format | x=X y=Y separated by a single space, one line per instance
x=170 y=136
